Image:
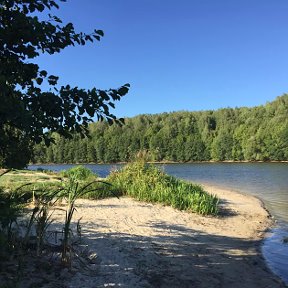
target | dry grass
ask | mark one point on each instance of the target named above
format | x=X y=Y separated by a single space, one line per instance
x=16 y=178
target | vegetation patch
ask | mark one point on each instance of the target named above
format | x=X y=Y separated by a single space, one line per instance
x=24 y=229
x=137 y=179
x=79 y=172
x=240 y=134
x=148 y=183
x=99 y=189
x=14 y=179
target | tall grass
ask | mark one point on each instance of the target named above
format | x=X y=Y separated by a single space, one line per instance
x=79 y=172
x=80 y=182
x=146 y=182
x=98 y=189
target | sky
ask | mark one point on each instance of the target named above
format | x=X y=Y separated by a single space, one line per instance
x=178 y=54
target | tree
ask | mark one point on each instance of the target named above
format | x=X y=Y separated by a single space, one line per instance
x=26 y=108
x=192 y=136
x=222 y=147
x=13 y=142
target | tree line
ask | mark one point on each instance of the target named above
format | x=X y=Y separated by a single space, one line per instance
x=241 y=134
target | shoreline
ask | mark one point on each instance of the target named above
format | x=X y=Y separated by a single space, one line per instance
x=166 y=162
x=149 y=245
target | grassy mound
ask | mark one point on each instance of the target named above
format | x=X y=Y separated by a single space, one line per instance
x=79 y=172
x=146 y=182
x=141 y=181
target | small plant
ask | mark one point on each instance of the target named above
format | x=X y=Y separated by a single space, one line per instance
x=43 y=221
x=40 y=218
x=24 y=239
x=11 y=207
x=72 y=190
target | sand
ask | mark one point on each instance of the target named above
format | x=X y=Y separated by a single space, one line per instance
x=127 y=243
x=136 y=244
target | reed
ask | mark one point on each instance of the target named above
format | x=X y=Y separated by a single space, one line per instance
x=98 y=189
x=146 y=182
x=75 y=187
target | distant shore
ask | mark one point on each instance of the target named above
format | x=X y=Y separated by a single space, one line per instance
x=163 y=162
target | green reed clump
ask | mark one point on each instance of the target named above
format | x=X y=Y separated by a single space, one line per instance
x=146 y=182
x=102 y=190
x=98 y=189
x=79 y=172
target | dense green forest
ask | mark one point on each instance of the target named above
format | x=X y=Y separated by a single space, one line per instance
x=254 y=134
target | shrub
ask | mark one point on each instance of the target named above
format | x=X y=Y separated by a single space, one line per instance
x=79 y=173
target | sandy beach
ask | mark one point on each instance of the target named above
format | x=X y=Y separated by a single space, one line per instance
x=127 y=243
x=136 y=244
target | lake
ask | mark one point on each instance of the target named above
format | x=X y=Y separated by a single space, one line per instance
x=267 y=181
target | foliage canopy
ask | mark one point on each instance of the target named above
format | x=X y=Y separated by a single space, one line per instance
x=242 y=134
x=27 y=110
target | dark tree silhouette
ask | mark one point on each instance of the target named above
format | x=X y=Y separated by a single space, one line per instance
x=27 y=111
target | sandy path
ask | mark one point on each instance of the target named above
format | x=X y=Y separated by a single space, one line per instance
x=145 y=245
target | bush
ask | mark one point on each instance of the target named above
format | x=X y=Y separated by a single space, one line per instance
x=79 y=173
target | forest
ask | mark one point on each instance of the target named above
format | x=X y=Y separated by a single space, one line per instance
x=239 y=134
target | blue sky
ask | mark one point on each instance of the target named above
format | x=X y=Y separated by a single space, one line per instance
x=178 y=54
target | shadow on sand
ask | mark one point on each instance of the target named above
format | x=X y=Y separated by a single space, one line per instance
x=185 y=258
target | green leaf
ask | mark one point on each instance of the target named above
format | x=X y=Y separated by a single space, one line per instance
x=104 y=95
x=52 y=80
x=111 y=105
x=39 y=81
x=87 y=37
x=97 y=37
x=31 y=8
x=43 y=73
x=123 y=91
x=99 y=32
x=25 y=9
x=90 y=111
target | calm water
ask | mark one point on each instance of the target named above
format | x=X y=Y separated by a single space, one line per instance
x=268 y=181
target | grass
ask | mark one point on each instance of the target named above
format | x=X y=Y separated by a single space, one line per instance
x=137 y=179
x=79 y=172
x=146 y=182
x=51 y=181
x=17 y=178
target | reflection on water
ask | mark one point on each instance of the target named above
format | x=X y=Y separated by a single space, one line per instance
x=268 y=181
